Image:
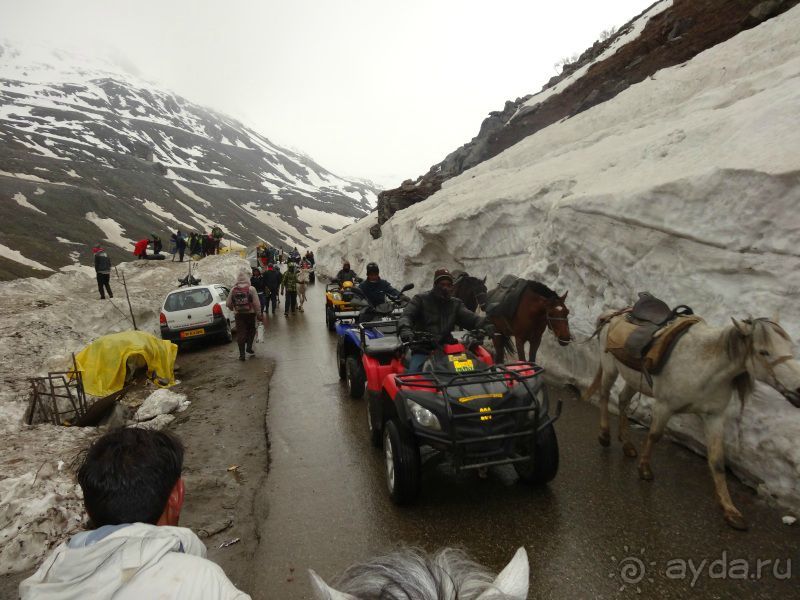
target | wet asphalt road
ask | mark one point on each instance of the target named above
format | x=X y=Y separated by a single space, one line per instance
x=596 y=531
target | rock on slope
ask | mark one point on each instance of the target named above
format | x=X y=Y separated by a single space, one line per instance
x=667 y=33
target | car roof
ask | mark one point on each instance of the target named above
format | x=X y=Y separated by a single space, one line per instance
x=196 y=287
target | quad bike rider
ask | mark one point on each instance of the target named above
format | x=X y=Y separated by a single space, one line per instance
x=375 y=289
x=437 y=313
x=378 y=305
x=346 y=274
x=338 y=294
x=456 y=400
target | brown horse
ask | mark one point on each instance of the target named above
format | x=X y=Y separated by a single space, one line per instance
x=471 y=291
x=539 y=308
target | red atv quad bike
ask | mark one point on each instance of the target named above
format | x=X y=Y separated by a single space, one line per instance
x=461 y=404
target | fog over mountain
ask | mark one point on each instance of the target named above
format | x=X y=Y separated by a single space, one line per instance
x=90 y=152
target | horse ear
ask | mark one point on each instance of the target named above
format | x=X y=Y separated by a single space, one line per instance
x=564 y=297
x=743 y=327
x=484 y=279
x=322 y=591
x=513 y=579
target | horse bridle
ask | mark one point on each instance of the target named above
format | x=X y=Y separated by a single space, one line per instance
x=550 y=325
x=770 y=365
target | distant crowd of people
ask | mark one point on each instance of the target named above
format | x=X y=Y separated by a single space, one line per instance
x=199 y=245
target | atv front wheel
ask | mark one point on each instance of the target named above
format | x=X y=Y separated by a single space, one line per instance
x=544 y=466
x=330 y=319
x=402 y=464
x=356 y=379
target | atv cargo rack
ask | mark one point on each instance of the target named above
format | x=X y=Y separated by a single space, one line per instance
x=519 y=372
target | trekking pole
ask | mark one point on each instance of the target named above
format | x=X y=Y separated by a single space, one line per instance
x=128 y=298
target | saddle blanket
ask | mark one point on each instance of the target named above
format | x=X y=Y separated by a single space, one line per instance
x=620 y=329
x=504 y=299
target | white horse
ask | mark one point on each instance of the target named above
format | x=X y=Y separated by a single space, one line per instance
x=409 y=573
x=706 y=366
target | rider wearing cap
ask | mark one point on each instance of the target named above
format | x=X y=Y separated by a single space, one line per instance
x=346 y=274
x=436 y=312
x=374 y=288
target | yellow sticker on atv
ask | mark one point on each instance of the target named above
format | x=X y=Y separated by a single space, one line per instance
x=479 y=397
x=455 y=357
x=462 y=366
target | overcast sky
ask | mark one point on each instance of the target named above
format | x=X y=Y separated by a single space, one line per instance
x=368 y=88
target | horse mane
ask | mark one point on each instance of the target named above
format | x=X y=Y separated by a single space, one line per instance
x=410 y=573
x=537 y=287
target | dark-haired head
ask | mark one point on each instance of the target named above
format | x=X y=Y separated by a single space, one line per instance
x=128 y=476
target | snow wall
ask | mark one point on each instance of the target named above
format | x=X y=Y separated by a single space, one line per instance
x=686 y=185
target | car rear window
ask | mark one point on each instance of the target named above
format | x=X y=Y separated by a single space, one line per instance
x=187 y=299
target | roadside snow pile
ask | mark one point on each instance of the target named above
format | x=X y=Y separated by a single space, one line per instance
x=156 y=411
x=42 y=323
x=40 y=502
x=685 y=185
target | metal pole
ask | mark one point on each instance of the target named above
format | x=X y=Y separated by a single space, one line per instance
x=128 y=298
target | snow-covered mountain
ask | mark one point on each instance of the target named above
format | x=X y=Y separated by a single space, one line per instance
x=686 y=184
x=89 y=151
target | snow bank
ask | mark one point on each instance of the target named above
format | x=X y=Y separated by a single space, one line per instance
x=686 y=184
x=42 y=323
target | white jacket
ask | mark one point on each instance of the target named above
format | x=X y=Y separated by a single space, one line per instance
x=130 y=562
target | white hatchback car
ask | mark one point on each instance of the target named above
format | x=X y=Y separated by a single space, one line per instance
x=195 y=312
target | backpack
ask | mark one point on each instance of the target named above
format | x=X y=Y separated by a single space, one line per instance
x=241 y=299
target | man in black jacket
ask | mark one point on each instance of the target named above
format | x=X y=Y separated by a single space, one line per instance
x=374 y=288
x=436 y=312
x=102 y=266
x=272 y=283
x=346 y=274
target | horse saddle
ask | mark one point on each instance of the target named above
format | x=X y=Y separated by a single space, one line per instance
x=645 y=337
x=504 y=299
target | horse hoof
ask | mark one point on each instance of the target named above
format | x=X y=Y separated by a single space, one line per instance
x=604 y=438
x=737 y=522
x=629 y=450
x=645 y=472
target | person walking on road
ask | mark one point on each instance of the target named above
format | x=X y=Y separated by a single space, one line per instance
x=257 y=281
x=302 y=282
x=272 y=283
x=102 y=266
x=243 y=300
x=289 y=289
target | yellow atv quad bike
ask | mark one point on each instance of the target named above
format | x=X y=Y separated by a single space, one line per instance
x=338 y=305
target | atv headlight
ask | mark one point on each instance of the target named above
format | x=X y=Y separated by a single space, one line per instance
x=423 y=416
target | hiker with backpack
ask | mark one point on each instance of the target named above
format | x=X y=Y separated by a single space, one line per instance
x=243 y=300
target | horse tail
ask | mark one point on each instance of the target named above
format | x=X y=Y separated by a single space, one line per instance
x=595 y=385
x=508 y=345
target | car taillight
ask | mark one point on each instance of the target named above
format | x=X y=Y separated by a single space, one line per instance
x=163 y=319
x=217 y=310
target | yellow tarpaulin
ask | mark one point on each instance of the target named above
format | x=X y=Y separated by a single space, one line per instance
x=104 y=361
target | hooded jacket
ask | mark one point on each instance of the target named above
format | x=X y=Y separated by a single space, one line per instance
x=376 y=291
x=130 y=562
x=102 y=263
x=243 y=281
x=429 y=312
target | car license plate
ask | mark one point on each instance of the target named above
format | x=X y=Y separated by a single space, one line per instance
x=192 y=333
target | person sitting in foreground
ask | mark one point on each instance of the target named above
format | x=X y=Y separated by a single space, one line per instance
x=410 y=573
x=436 y=312
x=133 y=493
x=374 y=288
